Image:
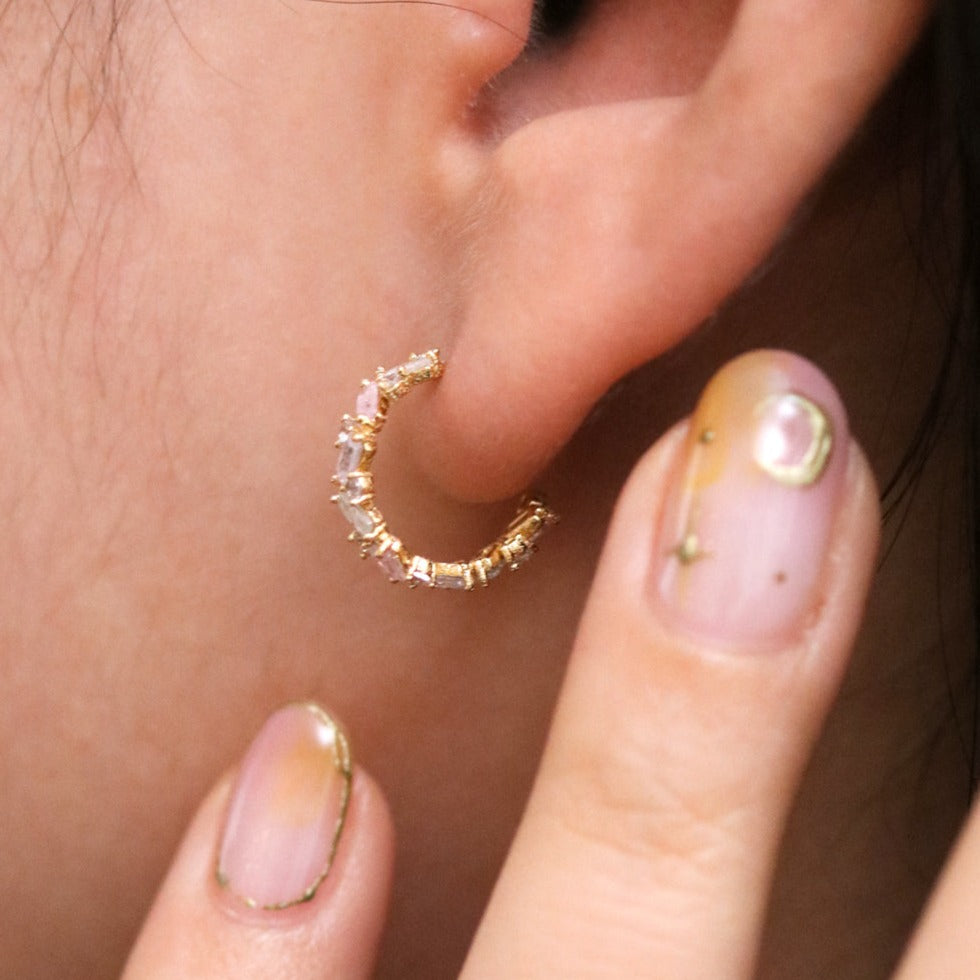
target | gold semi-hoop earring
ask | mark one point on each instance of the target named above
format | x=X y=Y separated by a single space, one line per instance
x=358 y=442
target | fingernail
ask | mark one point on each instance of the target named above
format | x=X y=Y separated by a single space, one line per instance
x=287 y=809
x=748 y=521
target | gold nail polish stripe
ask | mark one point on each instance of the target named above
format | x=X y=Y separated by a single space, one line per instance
x=358 y=444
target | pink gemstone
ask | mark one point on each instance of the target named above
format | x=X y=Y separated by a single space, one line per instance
x=368 y=401
x=392 y=566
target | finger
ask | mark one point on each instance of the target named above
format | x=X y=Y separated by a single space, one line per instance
x=947 y=941
x=284 y=874
x=718 y=627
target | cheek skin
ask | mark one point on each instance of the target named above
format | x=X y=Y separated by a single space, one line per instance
x=174 y=569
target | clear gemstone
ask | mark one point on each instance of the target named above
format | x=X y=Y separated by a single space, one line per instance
x=391 y=379
x=368 y=401
x=351 y=452
x=417 y=365
x=392 y=566
x=355 y=515
x=421 y=571
x=450 y=578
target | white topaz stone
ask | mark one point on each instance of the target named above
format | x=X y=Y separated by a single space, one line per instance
x=450 y=580
x=392 y=378
x=355 y=515
x=418 y=365
x=351 y=452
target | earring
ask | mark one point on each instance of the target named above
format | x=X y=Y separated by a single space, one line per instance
x=353 y=477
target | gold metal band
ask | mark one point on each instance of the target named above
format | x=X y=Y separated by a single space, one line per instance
x=358 y=442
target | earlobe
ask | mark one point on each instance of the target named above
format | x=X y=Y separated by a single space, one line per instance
x=606 y=233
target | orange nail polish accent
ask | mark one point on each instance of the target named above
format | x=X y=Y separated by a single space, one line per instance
x=287 y=809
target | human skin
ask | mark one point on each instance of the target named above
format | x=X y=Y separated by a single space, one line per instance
x=263 y=205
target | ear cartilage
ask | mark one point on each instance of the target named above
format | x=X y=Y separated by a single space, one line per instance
x=354 y=479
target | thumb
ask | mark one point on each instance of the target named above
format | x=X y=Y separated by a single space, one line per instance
x=284 y=871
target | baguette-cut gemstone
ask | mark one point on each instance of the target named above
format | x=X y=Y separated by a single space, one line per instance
x=368 y=401
x=451 y=577
x=351 y=451
x=356 y=515
x=417 y=365
x=392 y=566
x=391 y=379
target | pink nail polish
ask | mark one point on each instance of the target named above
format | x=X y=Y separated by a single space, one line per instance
x=287 y=809
x=746 y=527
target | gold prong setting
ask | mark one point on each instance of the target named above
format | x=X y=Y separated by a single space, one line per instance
x=357 y=444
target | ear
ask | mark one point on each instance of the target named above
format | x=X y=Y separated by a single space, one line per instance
x=604 y=233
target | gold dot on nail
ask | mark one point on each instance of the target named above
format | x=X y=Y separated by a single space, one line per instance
x=689 y=549
x=707 y=437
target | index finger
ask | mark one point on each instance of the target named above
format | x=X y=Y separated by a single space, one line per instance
x=718 y=628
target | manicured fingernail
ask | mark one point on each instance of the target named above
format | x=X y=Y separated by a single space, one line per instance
x=287 y=809
x=748 y=522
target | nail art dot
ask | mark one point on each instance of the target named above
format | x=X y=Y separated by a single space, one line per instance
x=689 y=549
x=707 y=437
x=793 y=439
